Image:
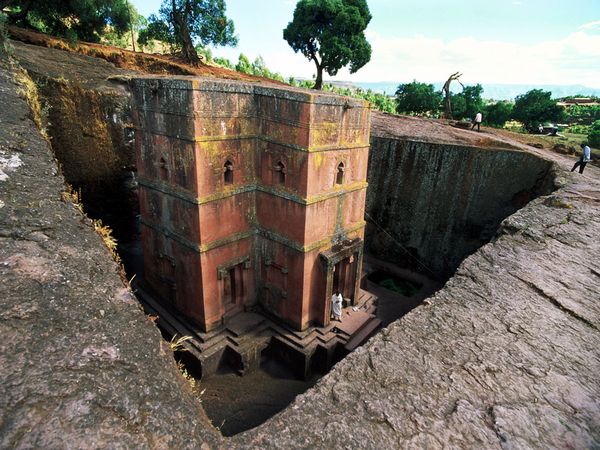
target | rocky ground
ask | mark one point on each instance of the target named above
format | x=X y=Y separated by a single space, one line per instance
x=80 y=364
x=504 y=356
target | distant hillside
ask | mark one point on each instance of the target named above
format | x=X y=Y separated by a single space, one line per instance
x=490 y=91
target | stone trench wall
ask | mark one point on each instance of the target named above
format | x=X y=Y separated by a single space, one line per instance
x=438 y=203
x=85 y=109
x=80 y=364
x=505 y=356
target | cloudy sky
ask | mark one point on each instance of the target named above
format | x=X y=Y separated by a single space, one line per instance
x=489 y=41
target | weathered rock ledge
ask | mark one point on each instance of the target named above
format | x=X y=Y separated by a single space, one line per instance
x=80 y=364
x=506 y=355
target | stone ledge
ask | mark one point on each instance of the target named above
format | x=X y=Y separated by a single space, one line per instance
x=81 y=366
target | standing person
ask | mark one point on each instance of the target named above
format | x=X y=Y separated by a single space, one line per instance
x=477 y=121
x=586 y=157
x=336 y=305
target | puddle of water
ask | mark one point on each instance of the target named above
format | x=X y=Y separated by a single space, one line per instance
x=406 y=288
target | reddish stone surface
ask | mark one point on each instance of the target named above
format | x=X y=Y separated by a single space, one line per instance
x=249 y=194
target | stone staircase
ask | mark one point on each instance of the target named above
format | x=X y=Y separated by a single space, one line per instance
x=241 y=339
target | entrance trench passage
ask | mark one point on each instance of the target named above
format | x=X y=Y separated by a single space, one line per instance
x=428 y=207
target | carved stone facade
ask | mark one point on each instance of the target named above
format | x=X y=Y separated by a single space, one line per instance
x=250 y=193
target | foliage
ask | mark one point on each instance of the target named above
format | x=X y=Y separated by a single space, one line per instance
x=582 y=114
x=580 y=129
x=181 y=22
x=176 y=343
x=223 y=62
x=4 y=45
x=124 y=40
x=75 y=19
x=258 y=68
x=205 y=53
x=331 y=34
x=473 y=100
x=417 y=98
x=535 y=107
x=594 y=136
x=497 y=114
x=243 y=65
x=379 y=101
x=468 y=102
x=459 y=105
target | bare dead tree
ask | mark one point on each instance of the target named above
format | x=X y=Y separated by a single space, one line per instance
x=447 y=103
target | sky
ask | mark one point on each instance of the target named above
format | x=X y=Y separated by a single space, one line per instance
x=489 y=41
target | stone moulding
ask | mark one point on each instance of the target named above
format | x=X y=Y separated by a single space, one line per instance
x=186 y=196
x=258 y=231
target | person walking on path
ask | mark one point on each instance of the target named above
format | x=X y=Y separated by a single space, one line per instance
x=477 y=121
x=586 y=157
x=336 y=306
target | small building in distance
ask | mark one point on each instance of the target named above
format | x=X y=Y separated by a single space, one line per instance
x=250 y=195
x=579 y=101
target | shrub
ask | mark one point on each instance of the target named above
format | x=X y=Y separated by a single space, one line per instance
x=594 y=136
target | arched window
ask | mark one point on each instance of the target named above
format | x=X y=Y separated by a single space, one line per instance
x=163 y=169
x=280 y=172
x=228 y=172
x=339 y=178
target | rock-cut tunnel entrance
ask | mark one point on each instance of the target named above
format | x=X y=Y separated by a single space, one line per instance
x=429 y=204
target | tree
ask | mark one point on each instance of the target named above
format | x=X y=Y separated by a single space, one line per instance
x=181 y=22
x=76 y=19
x=117 y=38
x=496 y=114
x=535 y=107
x=259 y=67
x=468 y=102
x=594 y=136
x=473 y=100
x=458 y=106
x=417 y=98
x=447 y=95
x=330 y=33
x=243 y=64
x=224 y=62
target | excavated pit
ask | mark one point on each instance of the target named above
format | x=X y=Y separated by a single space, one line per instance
x=429 y=205
x=504 y=355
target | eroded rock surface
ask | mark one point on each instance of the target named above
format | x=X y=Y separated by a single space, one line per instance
x=80 y=365
x=505 y=356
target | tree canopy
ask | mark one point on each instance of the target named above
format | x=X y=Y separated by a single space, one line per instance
x=594 y=136
x=496 y=114
x=535 y=107
x=181 y=22
x=417 y=98
x=468 y=102
x=331 y=34
x=74 y=19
